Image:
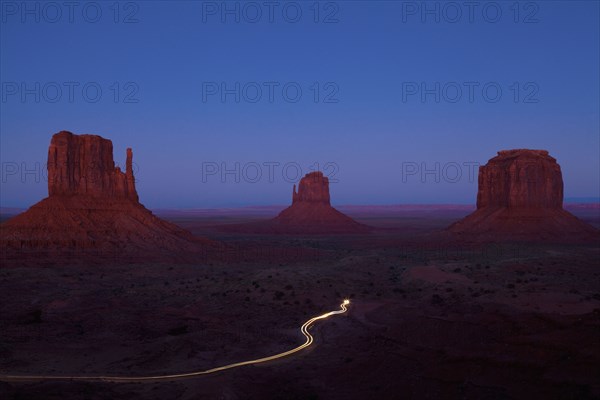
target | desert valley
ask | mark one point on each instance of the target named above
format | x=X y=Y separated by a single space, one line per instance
x=445 y=301
x=299 y=200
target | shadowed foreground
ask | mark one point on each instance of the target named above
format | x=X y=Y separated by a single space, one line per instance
x=428 y=319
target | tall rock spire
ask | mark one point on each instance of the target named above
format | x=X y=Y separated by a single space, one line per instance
x=130 y=179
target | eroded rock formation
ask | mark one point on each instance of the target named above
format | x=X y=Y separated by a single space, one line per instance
x=521 y=179
x=520 y=196
x=313 y=188
x=92 y=208
x=83 y=165
x=311 y=211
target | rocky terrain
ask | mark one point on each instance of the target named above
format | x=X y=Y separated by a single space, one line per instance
x=92 y=209
x=520 y=197
x=427 y=320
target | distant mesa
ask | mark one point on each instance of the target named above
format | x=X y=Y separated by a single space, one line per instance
x=520 y=197
x=310 y=213
x=311 y=210
x=92 y=205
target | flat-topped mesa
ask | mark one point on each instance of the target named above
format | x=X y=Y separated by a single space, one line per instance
x=520 y=178
x=84 y=165
x=520 y=198
x=516 y=152
x=313 y=188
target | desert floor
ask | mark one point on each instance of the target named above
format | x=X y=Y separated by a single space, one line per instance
x=427 y=319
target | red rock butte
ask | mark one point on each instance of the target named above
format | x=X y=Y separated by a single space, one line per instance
x=313 y=188
x=92 y=208
x=520 y=197
x=311 y=211
x=83 y=165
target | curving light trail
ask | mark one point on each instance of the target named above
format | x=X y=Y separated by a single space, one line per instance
x=304 y=329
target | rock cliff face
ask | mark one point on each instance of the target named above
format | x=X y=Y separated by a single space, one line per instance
x=92 y=208
x=313 y=188
x=520 y=197
x=83 y=165
x=521 y=179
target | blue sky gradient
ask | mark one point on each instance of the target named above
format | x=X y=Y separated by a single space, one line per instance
x=365 y=125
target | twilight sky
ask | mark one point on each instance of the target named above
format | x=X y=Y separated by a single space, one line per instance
x=395 y=106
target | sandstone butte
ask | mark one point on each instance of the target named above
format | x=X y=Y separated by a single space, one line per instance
x=310 y=213
x=92 y=208
x=311 y=210
x=520 y=197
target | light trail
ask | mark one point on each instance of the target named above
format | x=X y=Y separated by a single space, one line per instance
x=304 y=329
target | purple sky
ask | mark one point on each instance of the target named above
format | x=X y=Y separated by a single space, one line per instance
x=385 y=94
